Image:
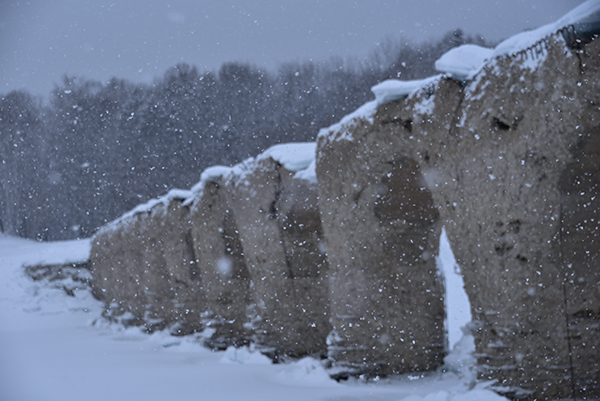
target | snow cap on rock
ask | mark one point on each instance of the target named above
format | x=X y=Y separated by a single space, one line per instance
x=394 y=89
x=463 y=62
x=293 y=156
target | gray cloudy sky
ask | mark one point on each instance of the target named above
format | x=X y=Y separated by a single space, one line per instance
x=40 y=40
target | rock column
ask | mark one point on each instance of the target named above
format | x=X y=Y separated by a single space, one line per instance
x=522 y=215
x=280 y=231
x=220 y=259
x=382 y=231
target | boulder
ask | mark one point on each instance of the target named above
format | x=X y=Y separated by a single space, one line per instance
x=186 y=284
x=511 y=164
x=280 y=230
x=114 y=261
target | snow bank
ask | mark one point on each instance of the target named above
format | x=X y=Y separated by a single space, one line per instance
x=49 y=339
x=244 y=356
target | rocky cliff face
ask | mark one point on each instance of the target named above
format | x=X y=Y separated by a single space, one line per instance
x=343 y=263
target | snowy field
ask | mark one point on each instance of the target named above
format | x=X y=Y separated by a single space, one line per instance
x=57 y=347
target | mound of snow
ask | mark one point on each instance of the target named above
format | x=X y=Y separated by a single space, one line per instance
x=244 y=356
x=293 y=156
x=463 y=62
x=394 y=89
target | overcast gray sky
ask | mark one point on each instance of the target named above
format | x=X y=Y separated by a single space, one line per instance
x=40 y=40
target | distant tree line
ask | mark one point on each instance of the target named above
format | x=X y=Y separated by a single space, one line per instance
x=94 y=150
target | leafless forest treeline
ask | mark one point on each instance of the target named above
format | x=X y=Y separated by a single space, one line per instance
x=94 y=150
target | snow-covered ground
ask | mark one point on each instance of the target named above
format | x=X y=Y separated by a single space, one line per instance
x=57 y=347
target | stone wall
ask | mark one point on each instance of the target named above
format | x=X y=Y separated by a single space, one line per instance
x=241 y=254
x=523 y=228
x=382 y=231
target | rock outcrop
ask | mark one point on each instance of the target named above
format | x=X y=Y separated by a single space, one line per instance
x=511 y=163
x=522 y=214
x=280 y=231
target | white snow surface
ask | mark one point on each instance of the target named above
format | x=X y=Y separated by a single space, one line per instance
x=293 y=156
x=309 y=173
x=213 y=173
x=182 y=194
x=364 y=112
x=463 y=62
x=57 y=347
x=394 y=89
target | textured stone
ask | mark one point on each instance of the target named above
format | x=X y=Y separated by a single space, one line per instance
x=382 y=232
x=144 y=266
x=280 y=231
x=511 y=163
x=220 y=260
x=522 y=218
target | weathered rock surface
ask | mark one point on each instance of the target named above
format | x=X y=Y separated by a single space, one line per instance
x=511 y=164
x=521 y=209
x=280 y=231
x=144 y=265
x=220 y=259
x=382 y=232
